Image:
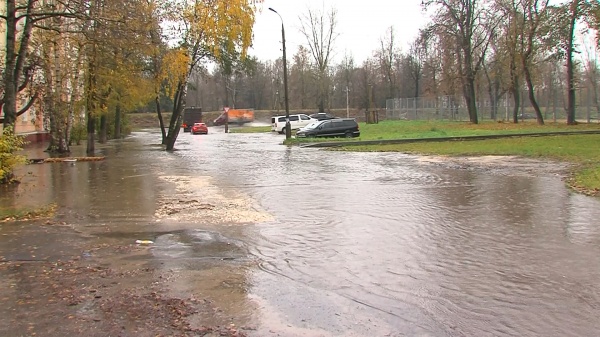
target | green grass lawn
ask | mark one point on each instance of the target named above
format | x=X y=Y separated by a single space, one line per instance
x=431 y=129
x=250 y=129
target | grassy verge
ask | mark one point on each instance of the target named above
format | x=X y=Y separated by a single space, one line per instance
x=250 y=129
x=26 y=214
x=433 y=129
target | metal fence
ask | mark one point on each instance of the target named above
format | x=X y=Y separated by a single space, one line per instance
x=552 y=104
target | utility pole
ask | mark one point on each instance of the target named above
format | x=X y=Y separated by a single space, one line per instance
x=288 y=131
x=347 y=105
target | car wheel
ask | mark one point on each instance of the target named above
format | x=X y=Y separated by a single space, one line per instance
x=282 y=131
x=349 y=134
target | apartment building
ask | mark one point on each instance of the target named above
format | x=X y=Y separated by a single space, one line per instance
x=31 y=123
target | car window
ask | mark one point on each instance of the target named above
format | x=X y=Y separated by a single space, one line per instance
x=326 y=125
x=304 y=117
x=294 y=118
x=282 y=119
x=272 y=120
x=313 y=125
x=349 y=123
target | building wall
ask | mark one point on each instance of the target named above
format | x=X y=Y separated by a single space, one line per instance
x=29 y=123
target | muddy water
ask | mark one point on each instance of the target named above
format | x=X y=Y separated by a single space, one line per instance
x=305 y=242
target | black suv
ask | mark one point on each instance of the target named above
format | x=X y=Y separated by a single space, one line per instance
x=338 y=127
x=321 y=116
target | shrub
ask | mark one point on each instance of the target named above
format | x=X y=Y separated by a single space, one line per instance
x=78 y=133
x=10 y=144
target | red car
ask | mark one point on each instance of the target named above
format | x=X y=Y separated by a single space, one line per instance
x=199 y=128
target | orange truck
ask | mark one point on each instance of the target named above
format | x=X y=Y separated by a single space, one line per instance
x=235 y=116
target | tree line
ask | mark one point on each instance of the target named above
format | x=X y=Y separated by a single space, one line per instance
x=84 y=63
x=474 y=50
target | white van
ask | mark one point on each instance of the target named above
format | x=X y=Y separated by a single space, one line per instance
x=296 y=122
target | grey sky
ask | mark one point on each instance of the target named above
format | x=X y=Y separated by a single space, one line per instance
x=361 y=25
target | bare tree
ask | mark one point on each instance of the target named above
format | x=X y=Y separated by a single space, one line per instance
x=319 y=29
x=509 y=36
x=386 y=56
x=464 y=21
x=592 y=72
x=300 y=78
x=533 y=14
x=416 y=59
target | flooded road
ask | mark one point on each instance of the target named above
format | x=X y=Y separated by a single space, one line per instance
x=307 y=242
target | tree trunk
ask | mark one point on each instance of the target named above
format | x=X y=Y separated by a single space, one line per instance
x=175 y=123
x=570 y=65
x=516 y=93
x=471 y=102
x=73 y=98
x=103 y=130
x=118 y=122
x=531 y=94
x=161 y=123
x=91 y=107
x=417 y=87
x=491 y=93
x=465 y=60
x=10 y=88
x=321 y=92
x=91 y=135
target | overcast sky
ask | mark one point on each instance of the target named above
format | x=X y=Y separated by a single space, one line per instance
x=361 y=25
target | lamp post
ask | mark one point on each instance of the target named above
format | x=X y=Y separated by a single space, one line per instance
x=288 y=131
x=347 y=105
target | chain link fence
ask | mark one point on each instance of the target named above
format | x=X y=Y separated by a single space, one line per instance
x=553 y=105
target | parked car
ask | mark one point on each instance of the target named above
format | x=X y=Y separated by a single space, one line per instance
x=339 y=127
x=296 y=121
x=199 y=128
x=321 y=116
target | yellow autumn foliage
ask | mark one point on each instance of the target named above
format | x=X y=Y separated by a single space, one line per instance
x=176 y=65
x=215 y=24
x=203 y=29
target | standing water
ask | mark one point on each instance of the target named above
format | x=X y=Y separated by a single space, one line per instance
x=308 y=242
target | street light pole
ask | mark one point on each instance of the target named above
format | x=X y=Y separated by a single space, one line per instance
x=288 y=131
x=347 y=105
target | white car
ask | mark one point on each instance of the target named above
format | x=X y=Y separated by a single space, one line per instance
x=296 y=122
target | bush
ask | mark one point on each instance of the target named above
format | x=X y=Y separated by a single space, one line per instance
x=10 y=144
x=78 y=133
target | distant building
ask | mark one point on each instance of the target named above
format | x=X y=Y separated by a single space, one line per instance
x=30 y=124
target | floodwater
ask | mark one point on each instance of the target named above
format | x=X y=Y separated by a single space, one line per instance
x=307 y=242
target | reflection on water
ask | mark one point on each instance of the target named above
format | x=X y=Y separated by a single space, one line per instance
x=362 y=244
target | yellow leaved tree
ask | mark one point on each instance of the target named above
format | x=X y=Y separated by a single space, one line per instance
x=198 y=31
